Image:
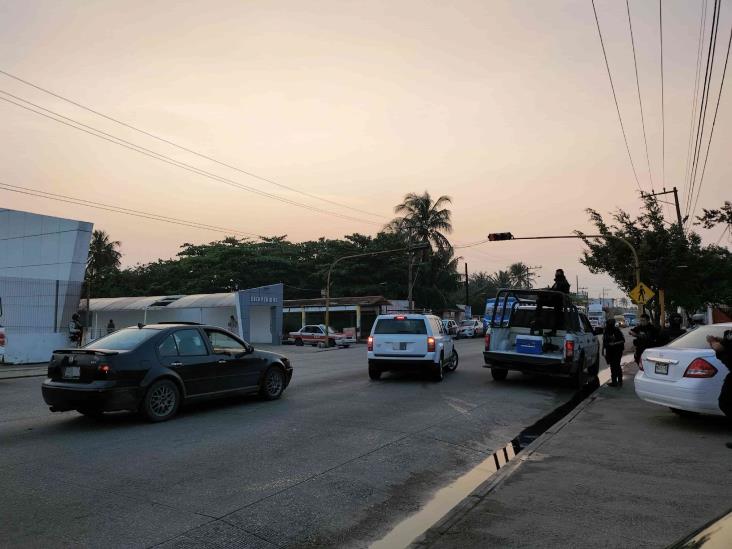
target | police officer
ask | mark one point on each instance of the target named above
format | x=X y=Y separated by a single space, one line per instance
x=646 y=336
x=674 y=329
x=613 y=343
x=723 y=348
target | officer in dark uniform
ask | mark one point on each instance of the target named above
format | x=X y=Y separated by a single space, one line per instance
x=673 y=331
x=646 y=336
x=561 y=284
x=613 y=344
x=723 y=348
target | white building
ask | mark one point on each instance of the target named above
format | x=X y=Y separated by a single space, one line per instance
x=42 y=265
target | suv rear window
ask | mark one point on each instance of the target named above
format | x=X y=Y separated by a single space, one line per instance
x=405 y=326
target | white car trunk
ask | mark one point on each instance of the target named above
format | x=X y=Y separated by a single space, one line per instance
x=665 y=364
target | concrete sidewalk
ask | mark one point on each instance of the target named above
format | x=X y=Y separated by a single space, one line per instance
x=616 y=472
x=13 y=371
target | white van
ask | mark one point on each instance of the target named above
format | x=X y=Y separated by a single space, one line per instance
x=410 y=342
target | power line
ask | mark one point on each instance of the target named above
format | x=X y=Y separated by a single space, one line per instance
x=640 y=99
x=615 y=98
x=186 y=149
x=694 y=100
x=704 y=103
x=714 y=121
x=722 y=235
x=168 y=160
x=118 y=209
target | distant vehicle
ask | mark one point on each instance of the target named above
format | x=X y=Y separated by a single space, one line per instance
x=156 y=368
x=490 y=305
x=314 y=334
x=451 y=326
x=470 y=328
x=410 y=342
x=574 y=351
x=684 y=375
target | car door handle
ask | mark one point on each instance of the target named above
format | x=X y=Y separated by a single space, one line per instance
x=222 y=361
x=176 y=364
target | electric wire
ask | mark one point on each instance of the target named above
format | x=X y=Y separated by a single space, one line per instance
x=704 y=103
x=722 y=235
x=186 y=149
x=615 y=98
x=695 y=95
x=640 y=99
x=168 y=160
x=714 y=122
x=38 y=193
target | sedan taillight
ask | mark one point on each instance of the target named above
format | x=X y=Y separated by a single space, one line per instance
x=700 y=368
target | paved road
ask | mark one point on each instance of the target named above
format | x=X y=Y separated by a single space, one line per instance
x=338 y=461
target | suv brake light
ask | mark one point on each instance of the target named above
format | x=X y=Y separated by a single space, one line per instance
x=371 y=343
x=400 y=317
x=569 y=349
x=487 y=342
x=430 y=344
x=700 y=368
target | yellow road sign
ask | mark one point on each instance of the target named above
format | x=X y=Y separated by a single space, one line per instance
x=641 y=294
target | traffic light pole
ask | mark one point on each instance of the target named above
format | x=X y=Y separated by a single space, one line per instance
x=508 y=236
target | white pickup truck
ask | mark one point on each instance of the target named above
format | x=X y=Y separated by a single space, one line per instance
x=560 y=342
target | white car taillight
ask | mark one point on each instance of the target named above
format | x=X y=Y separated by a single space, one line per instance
x=700 y=368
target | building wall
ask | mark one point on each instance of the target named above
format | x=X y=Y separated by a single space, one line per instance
x=251 y=303
x=42 y=263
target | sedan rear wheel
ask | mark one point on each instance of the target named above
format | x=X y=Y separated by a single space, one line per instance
x=161 y=401
x=298 y=342
x=273 y=384
x=683 y=413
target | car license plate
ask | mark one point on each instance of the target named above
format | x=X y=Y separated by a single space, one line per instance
x=71 y=372
x=401 y=346
x=662 y=369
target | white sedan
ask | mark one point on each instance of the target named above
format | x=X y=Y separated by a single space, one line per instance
x=470 y=328
x=684 y=375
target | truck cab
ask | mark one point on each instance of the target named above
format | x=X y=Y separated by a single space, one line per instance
x=558 y=341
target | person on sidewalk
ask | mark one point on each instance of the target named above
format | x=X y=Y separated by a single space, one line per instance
x=723 y=349
x=111 y=327
x=673 y=331
x=613 y=344
x=646 y=336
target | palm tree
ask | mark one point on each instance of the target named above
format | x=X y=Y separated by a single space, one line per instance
x=503 y=279
x=104 y=257
x=424 y=220
x=521 y=275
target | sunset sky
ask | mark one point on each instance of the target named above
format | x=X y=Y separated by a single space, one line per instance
x=503 y=105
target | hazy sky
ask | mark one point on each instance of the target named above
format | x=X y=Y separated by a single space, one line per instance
x=503 y=105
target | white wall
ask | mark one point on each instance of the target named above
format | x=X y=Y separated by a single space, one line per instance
x=261 y=317
x=29 y=348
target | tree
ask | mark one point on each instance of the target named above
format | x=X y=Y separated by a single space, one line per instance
x=521 y=275
x=711 y=218
x=424 y=220
x=690 y=274
x=103 y=259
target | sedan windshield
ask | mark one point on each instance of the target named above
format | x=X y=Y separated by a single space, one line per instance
x=123 y=340
x=697 y=339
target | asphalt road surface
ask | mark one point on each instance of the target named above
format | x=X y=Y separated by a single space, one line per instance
x=337 y=462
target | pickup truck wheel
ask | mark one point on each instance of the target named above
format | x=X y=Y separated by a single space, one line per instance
x=594 y=369
x=499 y=374
x=298 y=342
x=579 y=376
x=374 y=373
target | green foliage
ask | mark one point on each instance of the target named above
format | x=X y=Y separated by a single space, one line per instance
x=711 y=218
x=104 y=258
x=691 y=275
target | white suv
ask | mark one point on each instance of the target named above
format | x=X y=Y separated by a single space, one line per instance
x=410 y=341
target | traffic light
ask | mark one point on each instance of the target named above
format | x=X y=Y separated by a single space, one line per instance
x=500 y=236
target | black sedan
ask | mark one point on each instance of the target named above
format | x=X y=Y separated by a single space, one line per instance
x=154 y=368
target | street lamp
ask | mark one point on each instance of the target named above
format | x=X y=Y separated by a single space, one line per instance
x=419 y=246
x=508 y=236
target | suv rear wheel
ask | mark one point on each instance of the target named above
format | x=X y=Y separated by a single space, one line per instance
x=374 y=372
x=453 y=363
x=499 y=374
x=438 y=370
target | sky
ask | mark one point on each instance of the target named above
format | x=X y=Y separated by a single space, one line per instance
x=504 y=106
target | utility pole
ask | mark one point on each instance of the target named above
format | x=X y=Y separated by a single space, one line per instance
x=674 y=192
x=467 y=291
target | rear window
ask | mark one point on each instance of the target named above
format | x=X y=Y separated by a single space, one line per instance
x=123 y=340
x=697 y=339
x=406 y=326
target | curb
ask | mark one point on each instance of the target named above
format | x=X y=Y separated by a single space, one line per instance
x=454 y=516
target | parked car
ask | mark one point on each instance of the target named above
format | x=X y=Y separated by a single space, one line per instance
x=572 y=351
x=413 y=341
x=154 y=369
x=451 y=326
x=684 y=375
x=470 y=328
x=314 y=334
